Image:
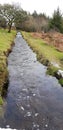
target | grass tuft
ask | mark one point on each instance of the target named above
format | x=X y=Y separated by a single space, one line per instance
x=61 y=81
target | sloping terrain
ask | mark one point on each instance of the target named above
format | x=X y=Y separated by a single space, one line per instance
x=6 y=43
x=51 y=38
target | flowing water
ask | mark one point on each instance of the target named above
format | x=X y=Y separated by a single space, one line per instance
x=34 y=100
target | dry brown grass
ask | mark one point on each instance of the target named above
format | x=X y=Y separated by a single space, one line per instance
x=51 y=38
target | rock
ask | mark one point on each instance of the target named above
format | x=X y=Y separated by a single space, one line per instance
x=60 y=73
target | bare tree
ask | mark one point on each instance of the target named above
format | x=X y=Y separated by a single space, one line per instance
x=8 y=11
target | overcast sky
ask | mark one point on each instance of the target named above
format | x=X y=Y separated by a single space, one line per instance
x=46 y=6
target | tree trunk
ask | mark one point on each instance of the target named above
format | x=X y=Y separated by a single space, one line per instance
x=9 y=30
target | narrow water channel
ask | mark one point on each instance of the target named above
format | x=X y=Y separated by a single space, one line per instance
x=34 y=100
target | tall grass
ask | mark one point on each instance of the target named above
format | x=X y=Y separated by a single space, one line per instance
x=6 y=41
x=46 y=54
x=40 y=47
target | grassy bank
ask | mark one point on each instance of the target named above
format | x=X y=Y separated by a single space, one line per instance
x=45 y=54
x=6 y=42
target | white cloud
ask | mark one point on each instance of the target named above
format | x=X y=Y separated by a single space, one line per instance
x=46 y=6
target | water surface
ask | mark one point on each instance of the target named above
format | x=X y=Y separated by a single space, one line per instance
x=34 y=100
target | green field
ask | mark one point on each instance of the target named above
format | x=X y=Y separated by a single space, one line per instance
x=46 y=54
x=6 y=41
x=49 y=52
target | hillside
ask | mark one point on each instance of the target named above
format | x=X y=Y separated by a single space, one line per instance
x=51 y=38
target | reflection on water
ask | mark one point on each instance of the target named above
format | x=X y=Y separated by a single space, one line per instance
x=34 y=100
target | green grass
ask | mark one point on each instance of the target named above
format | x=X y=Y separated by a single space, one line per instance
x=61 y=81
x=6 y=41
x=49 y=52
x=52 y=70
x=45 y=54
x=1 y=101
